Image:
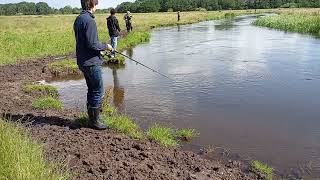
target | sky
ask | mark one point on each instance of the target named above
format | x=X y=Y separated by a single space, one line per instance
x=103 y=4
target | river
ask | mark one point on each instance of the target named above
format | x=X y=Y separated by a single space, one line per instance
x=252 y=90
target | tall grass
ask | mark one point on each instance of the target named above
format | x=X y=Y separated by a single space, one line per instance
x=29 y=37
x=300 y=21
x=263 y=168
x=124 y=124
x=22 y=158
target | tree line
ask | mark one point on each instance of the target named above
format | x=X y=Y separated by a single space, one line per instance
x=140 y=6
x=41 y=8
x=192 y=5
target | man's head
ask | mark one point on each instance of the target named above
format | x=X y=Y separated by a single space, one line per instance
x=90 y=5
x=112 y=11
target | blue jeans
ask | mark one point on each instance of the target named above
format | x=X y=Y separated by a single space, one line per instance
x=93 y=76
x=114 y=43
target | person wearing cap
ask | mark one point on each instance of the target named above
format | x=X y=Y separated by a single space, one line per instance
x=89 y=60
x=128 y=18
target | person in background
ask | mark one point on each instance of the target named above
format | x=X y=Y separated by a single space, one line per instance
x=178 y=15
x=128 y=18
x=114 y=30
x=89 y=60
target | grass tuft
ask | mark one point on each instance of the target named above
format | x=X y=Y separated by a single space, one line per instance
x=115 y=60
x=163 y=135
x=47 y=103
x=82 y=120
x=22 y=158
x=42 y=89
x=263 y=168
x=124 y=124
x=186 y=134
x=64 y=67
x=230 y=15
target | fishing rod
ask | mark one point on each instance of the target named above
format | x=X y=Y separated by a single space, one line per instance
x=144 y=65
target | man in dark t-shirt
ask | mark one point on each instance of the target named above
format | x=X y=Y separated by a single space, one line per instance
x=114 y=30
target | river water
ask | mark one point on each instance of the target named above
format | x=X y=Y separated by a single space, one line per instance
x=252 y=90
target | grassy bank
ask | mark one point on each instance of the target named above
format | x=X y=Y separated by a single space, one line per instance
x=301 y=21
x=22 y=158
x=41 y=90
x=29 y=37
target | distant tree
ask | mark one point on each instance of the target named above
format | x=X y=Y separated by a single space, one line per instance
x=2 y=11
x=32 y=9
x=124 y=7
x=66 y=10
x=148 y=6
x=43 y=8
x=76 y=10
x=103 y=11
x=10 y=9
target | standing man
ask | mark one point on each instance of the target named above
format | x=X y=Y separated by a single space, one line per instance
x=114 y=30
x=128 y=18
x=178 y=15
x=89 y=60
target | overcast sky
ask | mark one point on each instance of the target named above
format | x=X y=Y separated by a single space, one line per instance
x=103 y=4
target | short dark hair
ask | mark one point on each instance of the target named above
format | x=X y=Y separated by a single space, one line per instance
x=112 y=11
x=88 y=4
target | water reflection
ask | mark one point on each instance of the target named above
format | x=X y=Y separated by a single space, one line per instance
x=225 y=25
x=130 y=52
x=118 y=90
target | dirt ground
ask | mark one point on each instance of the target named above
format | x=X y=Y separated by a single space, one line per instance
x=91 y=154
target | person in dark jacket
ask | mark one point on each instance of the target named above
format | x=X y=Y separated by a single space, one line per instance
x=89 y=60
x=114 y=30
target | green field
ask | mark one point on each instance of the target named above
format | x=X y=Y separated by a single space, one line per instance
x=30 y=37
x=295 y=20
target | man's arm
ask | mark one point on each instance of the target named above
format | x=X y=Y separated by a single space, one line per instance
x=92 y=37
x=117 y=25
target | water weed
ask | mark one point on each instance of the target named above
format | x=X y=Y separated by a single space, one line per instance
x=186 y=134
x=293 y=22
